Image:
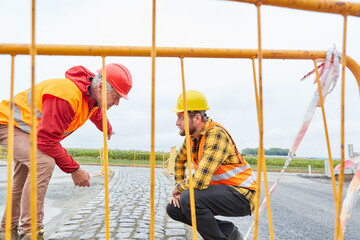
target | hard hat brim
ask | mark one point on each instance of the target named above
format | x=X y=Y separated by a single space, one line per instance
x=189 y=110
x=122 y=94
x=177 y=111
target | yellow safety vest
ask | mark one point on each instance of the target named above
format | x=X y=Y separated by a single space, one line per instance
x=62 y=88
x=240 y=174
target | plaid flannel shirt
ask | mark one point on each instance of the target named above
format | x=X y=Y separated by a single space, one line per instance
x=218 y=149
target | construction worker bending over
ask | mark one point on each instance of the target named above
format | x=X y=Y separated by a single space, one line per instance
x=224 y=183
x=62 y=106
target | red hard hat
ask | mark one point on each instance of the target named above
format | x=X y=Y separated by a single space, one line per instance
x=119 y=77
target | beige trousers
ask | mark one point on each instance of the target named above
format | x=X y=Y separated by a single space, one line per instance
x=21 y=180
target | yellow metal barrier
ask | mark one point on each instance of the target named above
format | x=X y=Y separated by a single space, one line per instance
x=188 y=154
x=170 y=169
x=33 y=49
x=338 y=7
x=105 y=153
x=101 y=154
x=215 y=53
x=10 y=154
x=140 y=164
x=33 y=133
x=152 y=154
x=261 y=165
x=338 y=231
x=93 y=50
x=327 y=140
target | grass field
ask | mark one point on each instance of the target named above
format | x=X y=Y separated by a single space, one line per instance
x=296 y=165
x=141 y=158
x=117 y=162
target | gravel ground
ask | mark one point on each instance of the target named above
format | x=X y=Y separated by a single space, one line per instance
x=302 y=207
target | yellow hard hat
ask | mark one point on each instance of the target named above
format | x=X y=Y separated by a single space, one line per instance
x=196 y=101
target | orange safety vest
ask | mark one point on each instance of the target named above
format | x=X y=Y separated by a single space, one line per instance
x=62 y=88
x=240 y=174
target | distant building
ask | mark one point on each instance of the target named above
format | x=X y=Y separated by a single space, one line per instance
x=351 y=151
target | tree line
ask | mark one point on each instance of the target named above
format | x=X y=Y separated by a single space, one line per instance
x=270 y=151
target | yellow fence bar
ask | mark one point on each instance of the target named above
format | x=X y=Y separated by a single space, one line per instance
x=321 y=99
x=261 y=156
x=152 y=153
x=259 y=164
x=338 y=230
x=263 y=165
x=327 y=6
x=268 y=207
x=188 y=154
x=10 y=155
x=94 y=50
x=105 y=150
x=33 y=133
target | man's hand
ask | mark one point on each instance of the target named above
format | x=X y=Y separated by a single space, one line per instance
x=109 y=135
x=81 y=178
x=175 y=197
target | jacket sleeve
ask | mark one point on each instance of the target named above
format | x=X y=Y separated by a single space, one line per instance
x=97 y=119
x=57 y=115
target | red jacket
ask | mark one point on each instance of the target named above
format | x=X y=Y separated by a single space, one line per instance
x=57 y=115
x=60 y=108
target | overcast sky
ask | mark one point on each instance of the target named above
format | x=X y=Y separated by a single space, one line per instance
x=227 y=83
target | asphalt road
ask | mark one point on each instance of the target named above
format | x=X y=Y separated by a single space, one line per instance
x=302 y=208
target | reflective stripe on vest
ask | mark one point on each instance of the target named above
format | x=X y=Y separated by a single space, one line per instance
x=17 y=118
x=37 y=112
x=240 y=175
x=231 y=173
x=68 y=133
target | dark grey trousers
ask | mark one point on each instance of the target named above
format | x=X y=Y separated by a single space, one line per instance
x=220 y=200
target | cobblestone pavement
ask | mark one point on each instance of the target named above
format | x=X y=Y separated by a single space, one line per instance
x=129 y=210
x=302 y=208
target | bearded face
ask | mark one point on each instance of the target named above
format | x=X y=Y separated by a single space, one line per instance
x=192 y=128
x=180 y=123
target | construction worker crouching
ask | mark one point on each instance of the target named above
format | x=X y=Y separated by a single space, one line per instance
x=62 y=106
x=224 y=183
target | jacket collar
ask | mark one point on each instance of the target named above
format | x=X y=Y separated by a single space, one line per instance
x=203 y=129
x=81 y=76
